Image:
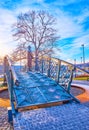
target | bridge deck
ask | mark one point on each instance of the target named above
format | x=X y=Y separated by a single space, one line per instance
x=36 y=89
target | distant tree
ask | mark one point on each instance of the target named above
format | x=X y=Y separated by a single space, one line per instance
x=1 y=60
x=19 y=53
x=37 y=30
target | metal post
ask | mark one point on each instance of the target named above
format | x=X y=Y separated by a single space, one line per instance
x=10 y=117
x=70 y=80
x=74 y=61
x=58 y=72
x=75 y=65
x=42 y=65
x=11 y=85
x=83 y=54
x=20 y=59
x=4 y=81
x=49 y=65
x=81 y=60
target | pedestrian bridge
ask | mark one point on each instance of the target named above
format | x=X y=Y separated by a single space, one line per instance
x=49 y=85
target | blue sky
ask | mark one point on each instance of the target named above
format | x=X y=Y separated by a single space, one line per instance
x=72 y=24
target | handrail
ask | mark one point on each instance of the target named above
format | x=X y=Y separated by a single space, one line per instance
x=12 y=80
x=59 y=70
x=74 y=66
x=15 y=78
x=45 y=66
x=66 y=62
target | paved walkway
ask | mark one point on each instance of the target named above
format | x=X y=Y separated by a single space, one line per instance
x=85 y=85
x=4 y=103
x=71 y=116
x=4 y=98
x=4 y=125
x=82 y=82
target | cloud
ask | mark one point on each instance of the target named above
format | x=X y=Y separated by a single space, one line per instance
x=68 y=24
x=61 y=2
x=6 y=20
x=81 y=18
x=72 y=51
x=81 y=40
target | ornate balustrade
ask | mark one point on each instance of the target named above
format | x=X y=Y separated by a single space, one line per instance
x=11 y=78
x=60 y=71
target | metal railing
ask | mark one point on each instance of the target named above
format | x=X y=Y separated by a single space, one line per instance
x=59 y=70
x=11 y=78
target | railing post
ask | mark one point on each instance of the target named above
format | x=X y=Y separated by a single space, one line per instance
x=58 y=72
x=11 y=85
x=70 y=80
x=36 y=63
x=49 y=66
x=11 y=91
x=42 y=65
x=4 y=82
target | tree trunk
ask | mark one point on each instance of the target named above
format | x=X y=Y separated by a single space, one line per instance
x=36 y=61
x=29 y=59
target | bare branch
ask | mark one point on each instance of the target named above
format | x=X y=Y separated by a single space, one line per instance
x=38 y=30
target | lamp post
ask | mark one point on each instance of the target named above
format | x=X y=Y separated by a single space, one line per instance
x=83 y=54
x=75 y=65
x=81 y=60
x=74 y=61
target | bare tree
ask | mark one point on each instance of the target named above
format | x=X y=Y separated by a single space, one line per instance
x=1 y=60
x=37 y=30
x=19 y=53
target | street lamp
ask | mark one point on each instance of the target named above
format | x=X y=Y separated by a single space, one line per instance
x=83 y=54
x=75 y=66
x=74 y=61
x=81 y=60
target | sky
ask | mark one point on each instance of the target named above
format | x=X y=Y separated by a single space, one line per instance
x=72 y=23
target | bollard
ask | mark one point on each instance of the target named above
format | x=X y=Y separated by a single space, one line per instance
x=10 y=118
